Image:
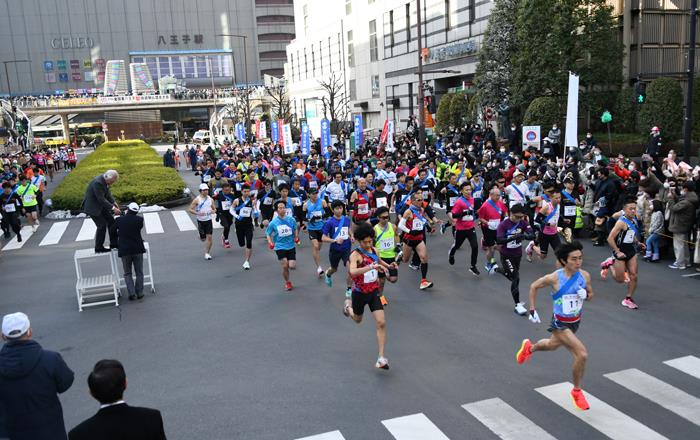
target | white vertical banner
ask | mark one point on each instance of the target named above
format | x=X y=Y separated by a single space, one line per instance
x=263 y=129
x=390 y=135
x=287 y=136
x=571 y=139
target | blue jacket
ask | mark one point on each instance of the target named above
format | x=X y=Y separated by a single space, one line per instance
x=30 y=380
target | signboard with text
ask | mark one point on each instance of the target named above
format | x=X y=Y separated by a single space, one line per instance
x=531 y=136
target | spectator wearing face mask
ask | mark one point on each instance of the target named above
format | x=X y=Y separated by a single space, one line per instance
x=682 y=206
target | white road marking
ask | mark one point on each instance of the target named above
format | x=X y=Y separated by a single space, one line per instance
x=659 y=392
x=505 y=421
x=601 y=416
x=152 y=222
x=335 y=435
x=414 y=427
x=13 y=244
x=688 y=365
x=87 y=230
x=55 y=233
x=183 y=220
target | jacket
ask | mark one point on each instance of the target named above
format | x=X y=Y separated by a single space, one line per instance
x=683 y=214
x=98 y=198
x=121 y=422
x=128 y=229
x=30 y=379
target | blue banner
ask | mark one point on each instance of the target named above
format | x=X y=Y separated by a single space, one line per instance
x=359 y=136
x=305 y=140
x=325 y=134
x=275 y=132
x=240 y=132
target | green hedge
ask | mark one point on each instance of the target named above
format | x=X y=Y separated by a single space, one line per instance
x=142 y=176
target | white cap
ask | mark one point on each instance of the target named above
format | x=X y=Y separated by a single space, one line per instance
x=133 y=206
x=15 y=325
x=655 y=128
x=299 y=172
x=203 y=186
x=518 y=173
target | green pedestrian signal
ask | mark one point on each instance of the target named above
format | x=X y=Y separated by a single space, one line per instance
x=640 y=92
x=606 y=117
x=640 y=99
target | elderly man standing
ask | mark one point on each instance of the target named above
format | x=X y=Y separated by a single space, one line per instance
x=30 y=380
x=131 y=249
x=100 y=206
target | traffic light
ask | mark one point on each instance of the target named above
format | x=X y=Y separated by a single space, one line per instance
x=640 y=92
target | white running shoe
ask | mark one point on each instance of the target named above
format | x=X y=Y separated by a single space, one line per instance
x=520 y=309
x=207 y=257
x=382 y=363
x=246 y=265
x=319 y=271
x=34 y=228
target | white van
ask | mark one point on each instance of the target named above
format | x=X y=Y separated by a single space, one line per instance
x=201 y=137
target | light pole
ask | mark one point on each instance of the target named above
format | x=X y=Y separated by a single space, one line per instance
x=245 y=68
x=7 y=75
x=421 y=104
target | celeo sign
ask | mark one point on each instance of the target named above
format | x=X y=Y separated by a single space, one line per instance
x=452 y=50
x=71 y=42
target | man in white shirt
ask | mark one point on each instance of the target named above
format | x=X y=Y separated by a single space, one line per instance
x=518 y=191
x=337 y=189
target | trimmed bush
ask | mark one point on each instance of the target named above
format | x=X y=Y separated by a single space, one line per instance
x=142 y=176
x=543 y=111
x=459 y=108
x=625 y=113
x=663 y=108
x=443 y=112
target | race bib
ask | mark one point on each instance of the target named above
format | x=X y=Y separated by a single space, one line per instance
x=226 y=205
x=513 y=244
x=468 y=218
x=570 y=211
x=245 y=212
x=280 y=182
x=284 y=231
x=289 y=212
x=29 y=198
x=363 y=209
x=477 y=194
x=343 y=234
x=10 y=207
x=571 y=304
x=296 y=201
x=268 y=201
x=453 y=200
x=381 y=201
x=371 y=276
x=206 y=178
x=629 y=236
x=313 y=184
x=493 y=224
x=512 y=203
x=386 y=244
x=417 y=224
x=317 y=214
x=425 y=195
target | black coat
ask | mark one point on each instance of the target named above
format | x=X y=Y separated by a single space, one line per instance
x=121 y=422
x=30 y=380
x=98 y=198
x=128 y=227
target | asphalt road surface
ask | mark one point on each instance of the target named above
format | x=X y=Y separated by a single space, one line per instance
x=227 y=354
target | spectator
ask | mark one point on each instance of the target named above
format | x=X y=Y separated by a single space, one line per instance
x=100 y=206
x=128 y=230
x=682 y=206
x=30 y=379
x=116 y=420
x=169 y=159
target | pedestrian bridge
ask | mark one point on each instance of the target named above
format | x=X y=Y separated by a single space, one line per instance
x=117 y=103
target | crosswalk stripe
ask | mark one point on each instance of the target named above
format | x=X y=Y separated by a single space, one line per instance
x=335 y=435
x=505 y=421
x=55 y=233
x=688 y=365
x=659 y=392
x=26 y=232
x=217 y=225
x=87 y=230
x=152 y=222
x=414 y=427
x=183 y=220
x=600 y=416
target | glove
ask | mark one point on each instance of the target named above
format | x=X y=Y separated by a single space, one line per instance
x=534 y=317
x=583 y=294
x=271 y=246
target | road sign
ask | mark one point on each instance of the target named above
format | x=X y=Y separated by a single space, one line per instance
x=531 y=136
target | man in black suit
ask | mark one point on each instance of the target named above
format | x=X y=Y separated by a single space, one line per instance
x=101 y=207
x=128 y=231
x=116 y=420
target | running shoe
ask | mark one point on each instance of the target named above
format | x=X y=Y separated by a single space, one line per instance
x=382 y=363
x=288 y=286
x=348 y=292
x=246 y=265
x=319 y=271
x=451 y=259
x=630 y=304
x=19 y=238
x=493 y=269
x=207 y=257
x=327 y=279
x=523 y=355
x=227 y=244
x=579 y=399
x=34 y=228
x=605 y=264
x=413 y=266
x=520 y=309
x=488 y=266
x=425 y=284
x=475 y=271
x=443 y=227
x=346 y=307
x=676 y=266
x=528 y=251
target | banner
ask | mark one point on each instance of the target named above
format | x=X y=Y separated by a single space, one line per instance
x=325 y=134
x=570 y=139
x=305 y=140
x=281 y=124
x=274 y=128
x=263 y=129
x=240 y=132
x=390 y=135
x=385 y=132
x=257 y=129
x=287 y=139
x=359 y=136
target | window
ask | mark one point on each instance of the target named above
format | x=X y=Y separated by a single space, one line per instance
x=306 y=65
x=313 y=61
x=164 y=65
x=391 y=29
x=201 y=67
x=276 y=37
x=348 y=7
x=373 y=50
x=305 y=10
x=410 y=97
x=351 y=51
x=472 y=11
x=375 y=86
x=447 y=15
x=408 y=25
x=353 y=90
x=273 y=55
x=291 y=65
x=320 y=55
x=273 y=19
x=177 y=67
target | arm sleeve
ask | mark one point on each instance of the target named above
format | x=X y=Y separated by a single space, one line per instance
x=104 y=198
x=402 y=225
x=62 y=374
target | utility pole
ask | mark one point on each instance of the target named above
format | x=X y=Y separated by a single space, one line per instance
x=7 y=75
x=687 y=135
x=421 y=104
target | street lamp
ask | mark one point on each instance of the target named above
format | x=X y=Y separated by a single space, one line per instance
x=245 y=68
x=7 y=75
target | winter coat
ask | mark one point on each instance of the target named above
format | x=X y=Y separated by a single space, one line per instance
x=30 y=380
x=683 y=213
x=98 y=197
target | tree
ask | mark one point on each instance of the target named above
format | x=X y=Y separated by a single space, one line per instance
x=543 y=111
x=280 y=101
x=443 y=112
x=625 y=112
x=336 y=103
x=459 y=107
x=663 y=108
x=494 y=72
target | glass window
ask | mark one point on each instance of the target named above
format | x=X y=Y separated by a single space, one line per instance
x=373 y=50
x=176 y=64
x=348 y=7
x=189 y=67
x=164 y=65
x=375 y=86
x=351 y=51
x=353 y=89
x=137 y=60
x=213 y=64
x=202 y=67
x=226 y=66
x=408 y=25
x=391 y=28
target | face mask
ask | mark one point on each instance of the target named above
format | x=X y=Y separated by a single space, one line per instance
x=666 y=185
x=630 y=167
x=588 y=136
x=503 y=150
x=670 y=156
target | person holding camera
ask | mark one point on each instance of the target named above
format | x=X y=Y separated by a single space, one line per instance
x=682 y=203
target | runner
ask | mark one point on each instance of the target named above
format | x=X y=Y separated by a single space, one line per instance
x=570 y=287
x=364 y=269
x=266 y=204
x=361 y=202
x=387 y=243
x=11 y=206
x=624 y=239
x=224 y=200
x=546 y=222
x=413 y=223
x=28 y=192
x=243 y=209
x=451 y=193
x=462 y=216
x=337 y=231
x=282 y=234
x=315 y=207
x=491 y=213
x=509 y=235
x=203 y=207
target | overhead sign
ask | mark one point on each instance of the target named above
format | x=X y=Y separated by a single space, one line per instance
x=531 y=136
x=452 y=50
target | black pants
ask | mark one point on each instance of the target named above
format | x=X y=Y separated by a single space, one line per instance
x=462 y=235
x=104 y=222
x=226 y=222
x=10 y=220
x=510 y=268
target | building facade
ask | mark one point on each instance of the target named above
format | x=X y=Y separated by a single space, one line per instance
x=374 y=43
x=64 y=44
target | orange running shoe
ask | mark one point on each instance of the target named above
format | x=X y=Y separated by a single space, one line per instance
x=579 y=399
x=425 y=284
x=523 y=355
x=288 y=286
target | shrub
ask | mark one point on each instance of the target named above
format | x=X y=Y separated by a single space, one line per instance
x=459 y=107
x=625 y=112
x=443 y=112
x=543 y=111
x=663 y=108
x=142 y=176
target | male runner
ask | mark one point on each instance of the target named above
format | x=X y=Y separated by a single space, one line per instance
x=266 y=204
x=282 y=234
x=547 y=221
x=364 y=269
x=337 y=231
x=570 y=287
x=28 y=192
x=225 y=200
x=10 y=205
x=243 y=209
x=315 y=208
x=451 y=193
x=387 y=243
x=413 y=223
x=203 y=208
x=361 y=202
x=462 y=216
x=491 y=213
